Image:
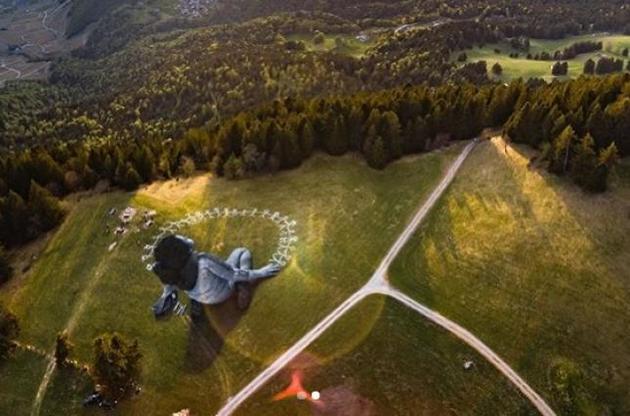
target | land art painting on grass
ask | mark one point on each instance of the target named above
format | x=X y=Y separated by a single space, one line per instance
x=343 y=210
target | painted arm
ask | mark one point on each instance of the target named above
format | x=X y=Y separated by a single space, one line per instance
x=165 y=304
x=231 y=274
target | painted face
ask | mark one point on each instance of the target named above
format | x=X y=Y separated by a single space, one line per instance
x=167 y=276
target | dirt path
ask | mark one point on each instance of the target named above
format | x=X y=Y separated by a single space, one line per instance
x=474 y=342
x=18 y=73
x=52 y=13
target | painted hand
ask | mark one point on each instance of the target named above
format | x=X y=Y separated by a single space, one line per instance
x=269 y=270
x=164 y=305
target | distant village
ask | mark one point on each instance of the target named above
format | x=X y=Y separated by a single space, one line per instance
x=195 y=8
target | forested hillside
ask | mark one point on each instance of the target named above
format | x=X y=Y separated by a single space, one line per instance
x=154 y=94
x=580 y=126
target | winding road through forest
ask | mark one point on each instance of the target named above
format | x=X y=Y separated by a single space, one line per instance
x=378 y=284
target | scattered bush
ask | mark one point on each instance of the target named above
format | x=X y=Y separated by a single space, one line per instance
x=559 y=69
x=63 y=349
x=319 y=38
x=116 y=366
x=6 y=271
x=9 y=331
x=589 y=67
x=497 y=69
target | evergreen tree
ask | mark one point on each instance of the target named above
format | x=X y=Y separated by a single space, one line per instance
x=216 y=165
x=391 y=134
x=354 y=128
x=144 y=163
x=291 y=151
x=372 y=121
x=375 y=151
x=127 y=177
x=618 y=114
x=307 y=139
x=187 y=166
x=116 y=365
x=421 y=135
x=14 y=218
x=6 y=271
x=378 y=157
x=561 y=154
x=234 y=168
x=548 y=125
x=559 y=69
x=164 y=165
x=517 y=127
x=44 y=169
x=609 y=156
x=230 y=137
x=46 y=211
x=63 y=349
x=499 y=108
x=584 y=162
x=589 y=67
x=497 y=69
x=319 y=38
x=559 y=125
x=275 y=159
x=336 y=143
x=9 y=331
x=253 y=160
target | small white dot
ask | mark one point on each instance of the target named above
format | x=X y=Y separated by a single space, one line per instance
x=302 y=395
x=315 y=395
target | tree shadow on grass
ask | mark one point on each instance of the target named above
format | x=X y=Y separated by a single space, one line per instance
x=207 y=333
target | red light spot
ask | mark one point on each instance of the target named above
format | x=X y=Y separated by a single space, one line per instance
x=294 y=388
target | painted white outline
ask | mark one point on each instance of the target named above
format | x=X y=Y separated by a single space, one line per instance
x=286 y=225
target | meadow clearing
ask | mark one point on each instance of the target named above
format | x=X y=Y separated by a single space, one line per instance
x=405 y=366
x=521 y=67
x=535 y=268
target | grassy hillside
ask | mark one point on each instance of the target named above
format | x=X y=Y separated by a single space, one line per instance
x=538 y=270
x=340 y=43
x=347 y=214
x=528 y=68
x=16 y=397
x=405 y=366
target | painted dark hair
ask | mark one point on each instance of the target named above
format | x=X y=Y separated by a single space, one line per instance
x=171 y=255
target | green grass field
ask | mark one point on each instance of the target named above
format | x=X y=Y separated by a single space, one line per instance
x=348 y=44
x=536 y=269
x=17 y=388
x=348 y=215
x=406 y=366
x=528 y=68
